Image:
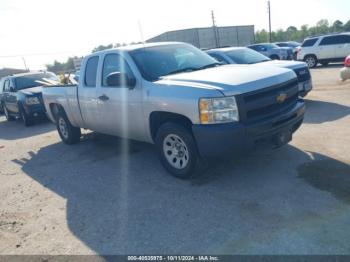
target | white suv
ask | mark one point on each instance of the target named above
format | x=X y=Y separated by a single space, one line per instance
x=324 y=49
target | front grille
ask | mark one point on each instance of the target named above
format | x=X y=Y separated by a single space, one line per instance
x=263 y=103
x=303 y=74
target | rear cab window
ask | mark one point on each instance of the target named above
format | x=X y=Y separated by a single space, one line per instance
x=309 y=42
x=91 y=72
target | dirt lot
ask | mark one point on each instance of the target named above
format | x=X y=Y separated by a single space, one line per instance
x=93 y=198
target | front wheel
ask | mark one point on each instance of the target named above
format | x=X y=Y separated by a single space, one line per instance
x=177 y=150
x=25 y=118
x=68 y=133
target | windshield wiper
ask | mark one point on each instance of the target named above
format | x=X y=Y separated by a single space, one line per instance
x=210 y=65
x=191 y=69
x=187 y=69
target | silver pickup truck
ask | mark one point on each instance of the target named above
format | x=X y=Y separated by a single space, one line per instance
x=182 y=100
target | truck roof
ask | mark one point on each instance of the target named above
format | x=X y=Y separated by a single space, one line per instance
x=138 y=46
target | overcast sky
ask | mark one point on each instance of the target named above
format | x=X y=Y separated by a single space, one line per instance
x=44 y=30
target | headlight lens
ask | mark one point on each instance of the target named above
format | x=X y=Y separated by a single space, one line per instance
x=218 y=110
x=32 y=101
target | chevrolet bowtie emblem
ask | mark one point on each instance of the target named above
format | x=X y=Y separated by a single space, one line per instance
x=281 y=98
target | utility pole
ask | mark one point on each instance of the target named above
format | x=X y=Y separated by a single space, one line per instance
x=215 y=30
x=269 y=10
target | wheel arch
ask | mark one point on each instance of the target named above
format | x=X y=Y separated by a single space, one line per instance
x=157 y=118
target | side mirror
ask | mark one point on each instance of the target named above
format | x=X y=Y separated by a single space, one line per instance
x=118 y=79
x=12 y=89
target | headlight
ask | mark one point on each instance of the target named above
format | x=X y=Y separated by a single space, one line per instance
x=218 y=110
x=32 y=101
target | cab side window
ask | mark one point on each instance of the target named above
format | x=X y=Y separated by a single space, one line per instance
x=114 y=63
x=91 y=72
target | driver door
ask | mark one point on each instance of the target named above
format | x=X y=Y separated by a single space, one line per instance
x=119 y=106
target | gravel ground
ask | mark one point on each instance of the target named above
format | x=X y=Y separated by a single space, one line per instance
x=92 y=198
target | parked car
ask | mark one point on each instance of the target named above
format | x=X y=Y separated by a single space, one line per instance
x=345 y=72
x=325 y=49
x=181 y=99
x=273 y=51
x=291 y=44
x=1 y=91
x=22 y=95
x=243 y=55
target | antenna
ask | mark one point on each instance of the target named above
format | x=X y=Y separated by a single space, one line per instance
x=141 y=31
x=25 y=65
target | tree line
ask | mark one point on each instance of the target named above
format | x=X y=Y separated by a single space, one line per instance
x=293 y=33
x=68 y=66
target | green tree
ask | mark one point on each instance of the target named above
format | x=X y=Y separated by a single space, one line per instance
x=261 y=36
x=58 y=67
x=102 y=47
x=322 y=27
x=338 y=26
x=346 y=27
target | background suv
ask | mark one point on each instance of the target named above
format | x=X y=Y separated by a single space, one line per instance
x=22 y=95
x=325 y=49
x=273 y=51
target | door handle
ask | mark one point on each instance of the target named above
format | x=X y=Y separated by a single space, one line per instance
x=103 y=98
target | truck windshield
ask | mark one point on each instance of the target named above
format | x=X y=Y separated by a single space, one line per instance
x=157 y=61
x=33 y=80
x=246 y=56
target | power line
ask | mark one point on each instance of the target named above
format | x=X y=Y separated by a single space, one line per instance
x=38 y=54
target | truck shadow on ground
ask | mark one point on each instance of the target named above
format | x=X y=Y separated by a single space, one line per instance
x=121 y=201
x=319 y=112
x=7 y=129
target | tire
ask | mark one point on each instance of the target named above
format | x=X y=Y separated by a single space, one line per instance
x=177 y=150
x=69 y=134
x=7 y=115
x=275 y=57
x=325 y=63
x=311 y=61
x=25 y=118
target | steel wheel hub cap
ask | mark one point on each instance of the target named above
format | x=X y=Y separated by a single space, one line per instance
x=63 y=127
x=175 y=151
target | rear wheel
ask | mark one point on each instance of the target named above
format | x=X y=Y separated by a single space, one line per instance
x=275 y=57
x=177 y=150
x=311 y=61
x=68 y=133
x=7 y=115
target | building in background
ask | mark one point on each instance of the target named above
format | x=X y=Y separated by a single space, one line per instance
x=210 y=37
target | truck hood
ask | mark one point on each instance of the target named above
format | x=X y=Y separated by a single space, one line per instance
x=231 y=79
x=284 y=64
x=32 y=91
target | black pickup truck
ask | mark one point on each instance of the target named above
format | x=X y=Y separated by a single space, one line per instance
x=22 y=95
